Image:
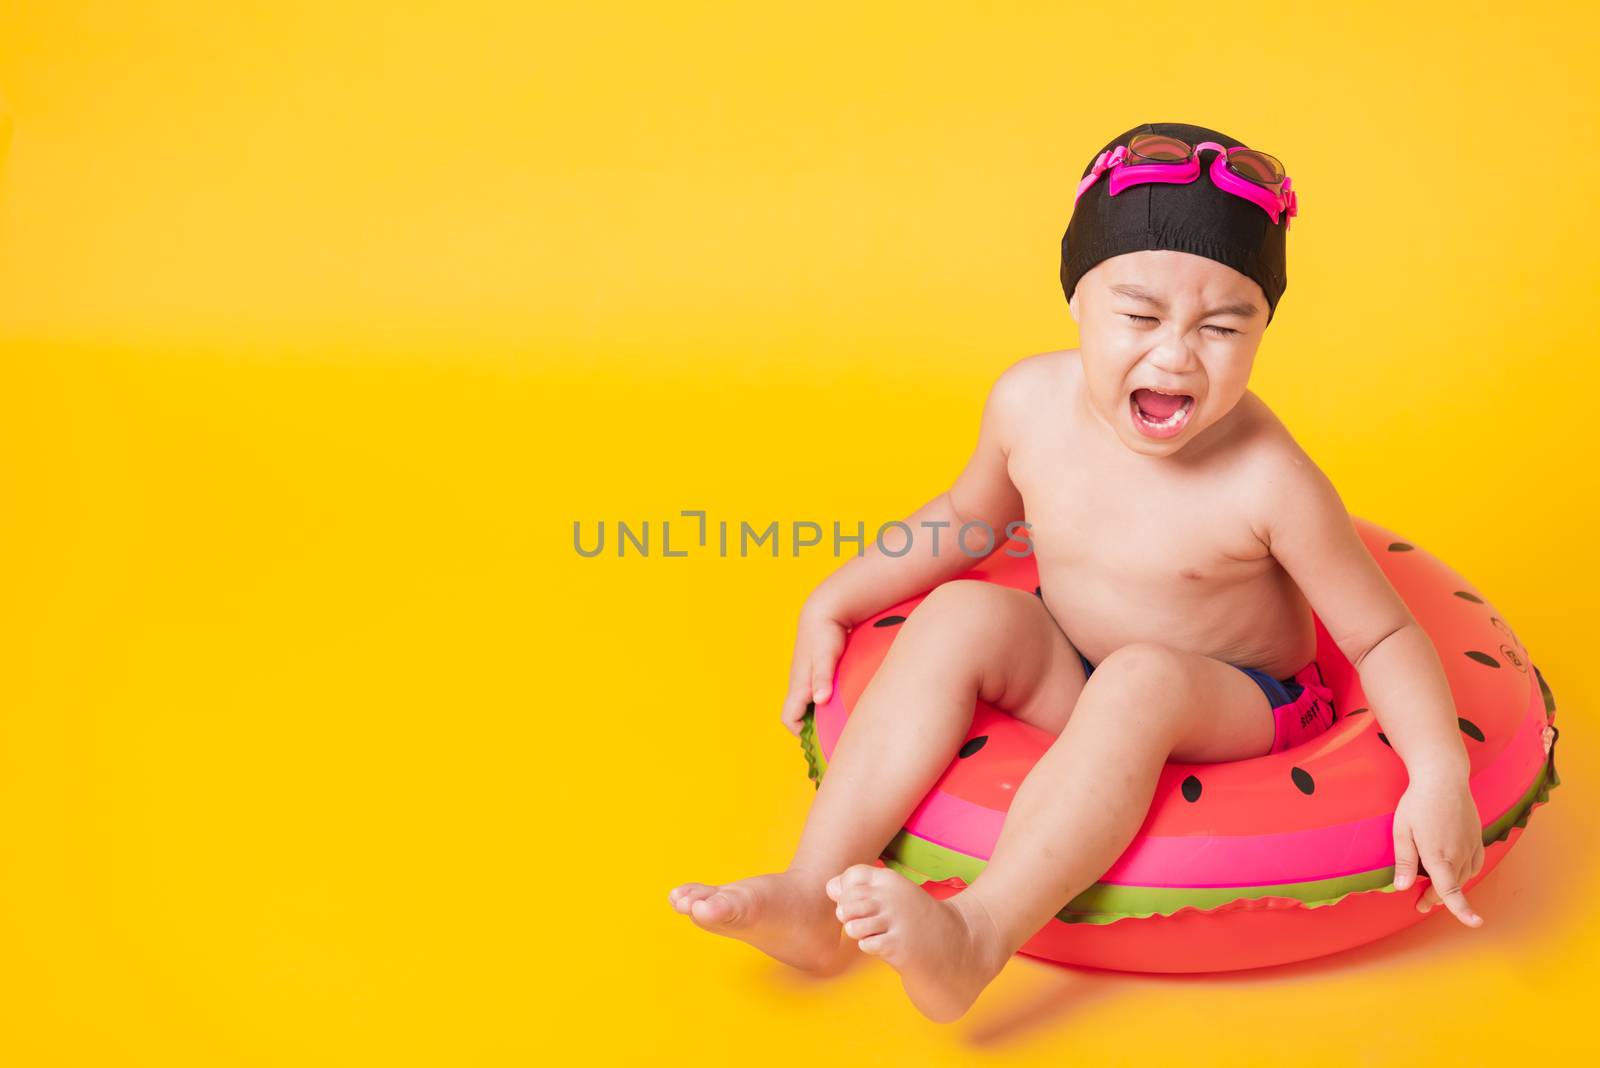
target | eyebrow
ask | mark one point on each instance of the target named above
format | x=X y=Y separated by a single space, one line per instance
x=1243 y=308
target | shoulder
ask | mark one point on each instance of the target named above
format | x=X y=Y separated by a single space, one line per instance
x=1283 y=479
x=1270 y=450
x=1032 y=385
x=1033 y=380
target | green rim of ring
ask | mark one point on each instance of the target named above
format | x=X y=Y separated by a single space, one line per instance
x=921 y=860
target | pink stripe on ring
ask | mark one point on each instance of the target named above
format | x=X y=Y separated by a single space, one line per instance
x=1247 y=860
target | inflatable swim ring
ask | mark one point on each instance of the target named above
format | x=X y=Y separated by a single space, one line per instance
x=1254 y=862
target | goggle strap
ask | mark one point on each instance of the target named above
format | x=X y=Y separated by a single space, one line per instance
x=1289 y=201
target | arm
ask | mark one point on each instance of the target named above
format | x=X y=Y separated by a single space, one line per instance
x=983 y=492
x=1310 y=533
x=864 y=585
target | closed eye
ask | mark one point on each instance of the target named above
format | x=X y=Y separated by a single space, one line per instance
x=1222 y=330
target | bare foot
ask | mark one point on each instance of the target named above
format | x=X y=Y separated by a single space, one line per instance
x=945 y=951
x=785 y=915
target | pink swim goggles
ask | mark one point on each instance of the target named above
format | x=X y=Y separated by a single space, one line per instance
x=1244 y=172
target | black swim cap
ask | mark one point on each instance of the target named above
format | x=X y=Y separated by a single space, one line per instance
x=1195 y=217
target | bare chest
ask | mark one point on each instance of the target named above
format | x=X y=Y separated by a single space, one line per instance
x=1139 y=524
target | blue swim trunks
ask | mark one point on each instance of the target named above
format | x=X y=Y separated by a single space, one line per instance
x=1302 y=705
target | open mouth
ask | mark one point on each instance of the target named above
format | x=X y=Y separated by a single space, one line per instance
x=1160 y=415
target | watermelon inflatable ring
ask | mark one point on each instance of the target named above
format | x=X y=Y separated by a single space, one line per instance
x=1254 y=862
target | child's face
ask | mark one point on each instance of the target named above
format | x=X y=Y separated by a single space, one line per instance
x=1166 y=343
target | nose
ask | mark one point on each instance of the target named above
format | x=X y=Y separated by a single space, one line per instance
x=1172 y=355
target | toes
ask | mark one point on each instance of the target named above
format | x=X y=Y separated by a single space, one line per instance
x=858 y=905
x=714 y=908
x=852 y=878
x=874 y=945
x=857 y=875
x=867 y=926
x=687 y=894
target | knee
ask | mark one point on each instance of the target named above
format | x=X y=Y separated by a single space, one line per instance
x=952 y=617
x=1145 y=677
x=958 y=603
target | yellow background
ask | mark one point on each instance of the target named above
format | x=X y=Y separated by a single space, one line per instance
x=320 y=325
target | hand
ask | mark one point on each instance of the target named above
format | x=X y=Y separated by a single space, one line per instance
x=1437 y=822
x=817 y=647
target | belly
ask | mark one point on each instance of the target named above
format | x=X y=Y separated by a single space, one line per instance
x=1248 y=613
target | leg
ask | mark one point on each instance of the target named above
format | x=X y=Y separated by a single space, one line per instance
x=966 y=641
x=1073 y=815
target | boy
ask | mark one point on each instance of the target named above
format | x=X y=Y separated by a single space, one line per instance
x=1183 y=540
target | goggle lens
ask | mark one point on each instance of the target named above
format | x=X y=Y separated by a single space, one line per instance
x=1256 y=166
x=1247 y=163
x=1158 y=149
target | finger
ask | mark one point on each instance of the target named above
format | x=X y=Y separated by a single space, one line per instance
x=821 y=681
x=1427 y=900
x=1456 y=902
x=1446 y=888
x=794 y=705
x=1405 y=858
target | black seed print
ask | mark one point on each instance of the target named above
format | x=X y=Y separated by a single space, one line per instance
x=1384 y=738
x=1483 y=658
x=1470 y=729
x=973 y=746
x=1465 y=596
x=890 y=621
x=1355 y=712
x=1191 y=789
x=1400 y=547
x=1302 y=779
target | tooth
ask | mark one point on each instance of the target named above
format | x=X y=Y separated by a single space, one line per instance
x=1171 y=420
